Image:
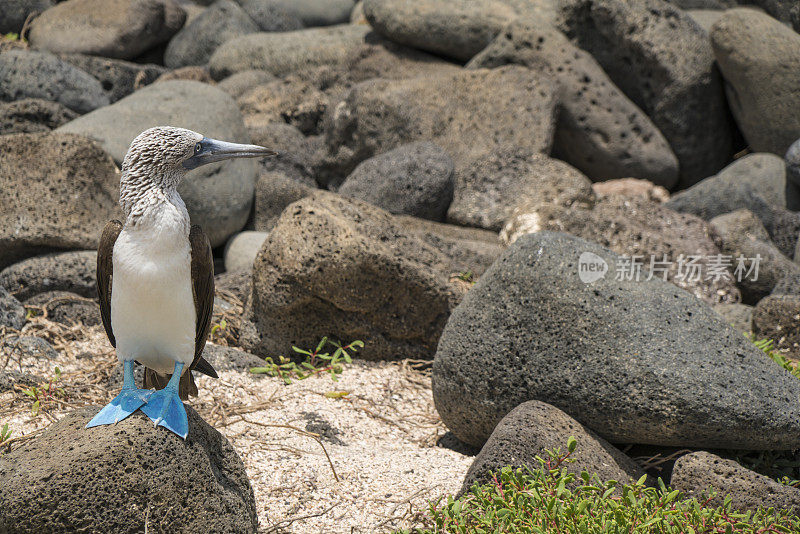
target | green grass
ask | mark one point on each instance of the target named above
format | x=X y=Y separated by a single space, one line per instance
x=548 y=499
x=312 y=362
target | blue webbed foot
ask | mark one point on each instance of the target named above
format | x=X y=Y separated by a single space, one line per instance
x=128 y=401
x=165 y=408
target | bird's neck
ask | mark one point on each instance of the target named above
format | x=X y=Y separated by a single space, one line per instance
x=144 y=197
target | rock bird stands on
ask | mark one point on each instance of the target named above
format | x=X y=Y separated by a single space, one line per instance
x=155 y=276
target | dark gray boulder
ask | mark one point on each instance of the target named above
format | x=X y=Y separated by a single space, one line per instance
x=275 y=191
x=66 y=308
x=58 y=192
x=32 y=74
x=270 y=16
x=127 y=477
x=793 y=164
x=22 y=348
x=766 y=173
x=637 y=362
x=118 y=78
x=453 y=28
x=334 y=266
x=468 y=113
x=238 y=84
x=599 y=130
x=296 y=152
x=414 y=179
x=720 y=195
x=14 y=13
x=121 y=29
x=637 y=227
x=32 y=115
x=231 y=359
x=65 y=271
x=739 y=316
x=777 y=317
x=12 y=313
x=534 y=427
x=283 y=53
x=751 y=47
x=198 y=40
x=662 y=60
x=743 y=235
x=696 y=473
x=317 y=12
x=490 y=187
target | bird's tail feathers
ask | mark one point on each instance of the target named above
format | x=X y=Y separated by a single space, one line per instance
x=155 y=380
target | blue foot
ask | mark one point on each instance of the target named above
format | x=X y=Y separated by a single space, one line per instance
x=128 y=401
x=165 y=408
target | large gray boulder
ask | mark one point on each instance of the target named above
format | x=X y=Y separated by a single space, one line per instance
x=118 y=78
x=269 y=16
x=752 y=47
x=340 y=267
x=534 y=427
x=414 y=179
x=743 y=235
x=14 y=13
x=30 y=74
x=489 y=188
x=599 y=130
x=453 y=28
x=282 y=53
x=195 y=43
x=120 y=29
x=317 y=12
x=275 y=191
x=468 y=113
x=637 y=362
x=58 y=191
x=218 y=196
x=31 y=115
x=662 y=60
x=73 y=271
x=127 y=477
x=699 y=473
x=637 y=227
x=12 y=314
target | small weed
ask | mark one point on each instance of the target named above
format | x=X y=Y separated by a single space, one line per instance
x=313 y=362
x=11 y=36
x=466 y=276
x=768 y=347
x=223 y=324
x=42 y=395
x=5 y=434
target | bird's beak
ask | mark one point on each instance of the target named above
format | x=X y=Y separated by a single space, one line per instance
x=211 y=150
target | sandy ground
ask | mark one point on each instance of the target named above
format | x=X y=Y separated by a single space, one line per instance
x=380 y=437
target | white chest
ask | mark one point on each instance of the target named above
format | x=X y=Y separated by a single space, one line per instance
x=152 y=305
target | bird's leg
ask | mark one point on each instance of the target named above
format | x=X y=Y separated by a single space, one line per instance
x=165 y=407
x=128 y=401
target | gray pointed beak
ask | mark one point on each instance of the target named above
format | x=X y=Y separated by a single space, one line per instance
x=211 y=150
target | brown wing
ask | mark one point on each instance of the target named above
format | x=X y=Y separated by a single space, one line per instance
x=203 y=291
x=105 y=269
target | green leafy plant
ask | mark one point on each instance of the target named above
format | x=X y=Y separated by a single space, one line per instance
x=42 y=395
x=466 y=276
x=11 y=36
x=5 y=434
x=312 y=362
x=550 y=499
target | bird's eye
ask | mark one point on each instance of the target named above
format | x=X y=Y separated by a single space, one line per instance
x=197 y=148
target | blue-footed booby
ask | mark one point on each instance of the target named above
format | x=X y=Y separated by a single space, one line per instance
x=155 y=276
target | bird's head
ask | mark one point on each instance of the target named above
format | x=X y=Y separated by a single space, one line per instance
x=164 y=154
